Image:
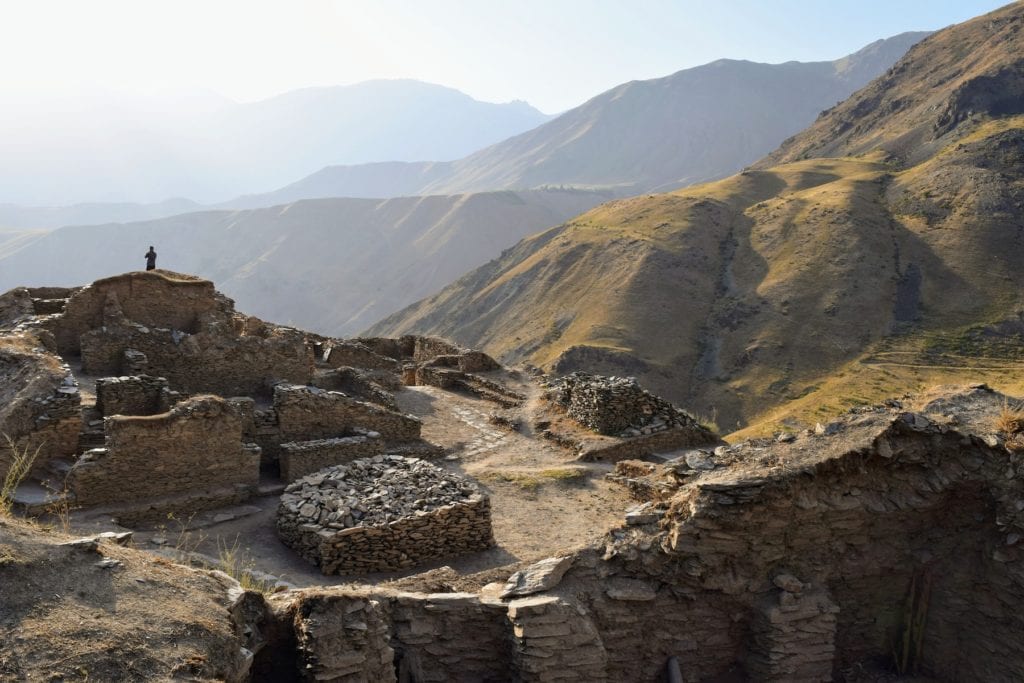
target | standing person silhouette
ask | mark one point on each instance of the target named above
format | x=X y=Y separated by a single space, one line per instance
x=150 y=259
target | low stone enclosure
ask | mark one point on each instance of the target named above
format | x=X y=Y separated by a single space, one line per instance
x=383 y=514
x=890 y=540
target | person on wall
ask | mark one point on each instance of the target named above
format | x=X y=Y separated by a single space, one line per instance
x=150 y=259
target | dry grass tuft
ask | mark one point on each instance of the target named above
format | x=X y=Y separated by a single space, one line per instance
x=237 y=564
x=1010 y=420
x=21 y=464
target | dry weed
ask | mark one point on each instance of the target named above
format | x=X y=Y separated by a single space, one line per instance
x=21 y=464
x=1010 y=420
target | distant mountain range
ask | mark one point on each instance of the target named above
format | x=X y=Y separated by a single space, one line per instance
x=101 y=148
x=338 y=265
x=331 y=265
x=697 y=124
x=877 y=252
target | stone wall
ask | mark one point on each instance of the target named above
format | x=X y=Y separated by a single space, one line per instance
x=306 y=413
x=153 y=299
x=196 y=446
x=301 y=458
x=135 y=395
x=383 y=514
x=353 y=354
x=218 y=363
x=39 y=402
x=373 y=386
x=642 y=446
x=616 y=406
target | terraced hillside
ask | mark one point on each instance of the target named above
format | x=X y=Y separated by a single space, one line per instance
x=872 y=254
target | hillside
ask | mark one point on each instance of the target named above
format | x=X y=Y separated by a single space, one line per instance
x=108 y=148
x=872 y=254
x=332 y=265
x=695 y=125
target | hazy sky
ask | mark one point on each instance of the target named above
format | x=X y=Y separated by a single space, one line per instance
x=553 y=53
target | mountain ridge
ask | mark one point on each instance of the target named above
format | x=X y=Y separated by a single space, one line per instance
x=802 y=286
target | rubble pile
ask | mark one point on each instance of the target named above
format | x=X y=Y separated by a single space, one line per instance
x=615 y=406
x=383 y=513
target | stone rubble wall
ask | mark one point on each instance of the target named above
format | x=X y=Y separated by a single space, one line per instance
x=195 y=446
x=357 y=355
x=384 y=513
x=342 y=637
x=448 y=531
x=375 y=387
x=636 y=448
x=392 y=348
x=794 y=638
x=204 y=362
x=134 y=395
x=301 y=458
x=152 y=299
x=15 y=307
x=40 y=405
x=616 y=406
x=556 y=639
x=451 y=379
x=444 y=637
x=306 y=413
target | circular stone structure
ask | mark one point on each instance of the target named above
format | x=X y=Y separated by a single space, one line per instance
x=382 y=514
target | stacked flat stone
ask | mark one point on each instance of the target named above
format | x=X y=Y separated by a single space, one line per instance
x=132 y=395
x=301 y=458
x=616 y=406
x=383 y=514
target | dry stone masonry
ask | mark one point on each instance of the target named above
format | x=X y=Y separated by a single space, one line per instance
x=136 y=395
x=383 y=514
x=301 y=458
x=194 y=449
x=616 y=406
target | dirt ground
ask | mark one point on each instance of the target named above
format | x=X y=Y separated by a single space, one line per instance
x=543 y=501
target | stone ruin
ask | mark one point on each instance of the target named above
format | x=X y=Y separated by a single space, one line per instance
x=629 y=421
x=813 y=559
x=616 y=406
x=193 y=452
x=176 y=367
x=383 y=514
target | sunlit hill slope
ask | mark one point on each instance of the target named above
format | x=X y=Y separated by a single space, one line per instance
x=874 y=253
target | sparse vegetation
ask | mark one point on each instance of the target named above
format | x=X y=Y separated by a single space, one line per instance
x=1010 y=420
x=533 y=480
x=236 y=563
x=22 y=458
